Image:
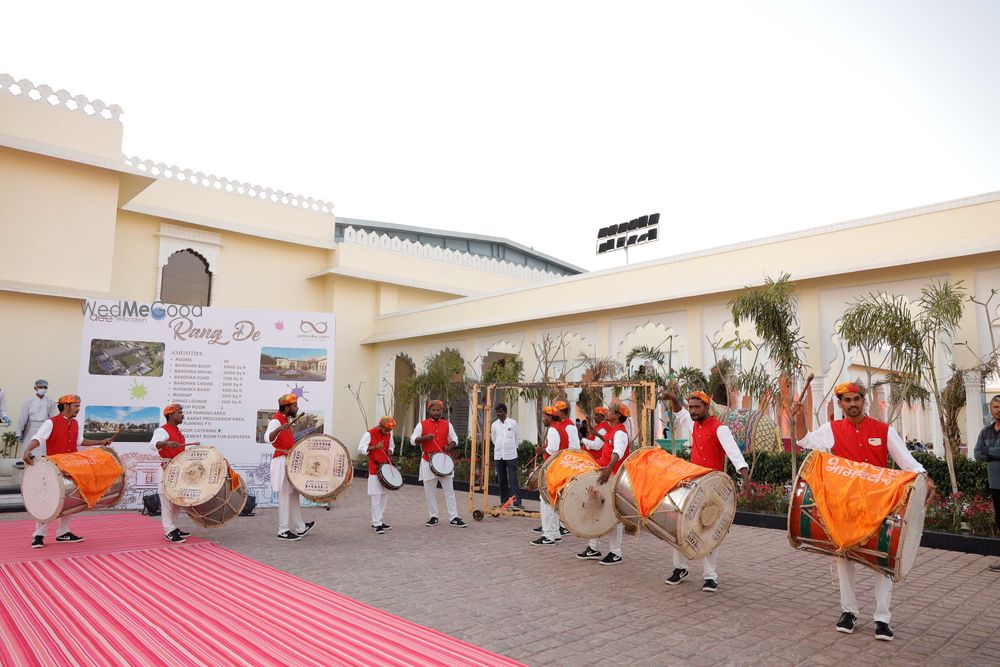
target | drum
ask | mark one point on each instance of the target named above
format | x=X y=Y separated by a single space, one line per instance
x=390 y=477
x=891 y=551
x=586 y=508
x=442 y=465
x=531 y=483
x=201 y=481
x=50 y=493
x=319 y=467
x=695 y=516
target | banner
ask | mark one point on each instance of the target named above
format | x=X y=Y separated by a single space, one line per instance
x=226 y=367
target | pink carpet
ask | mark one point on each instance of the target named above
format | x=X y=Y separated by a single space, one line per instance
x=194 y=604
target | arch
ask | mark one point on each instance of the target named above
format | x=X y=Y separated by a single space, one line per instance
x=186 y=278
x=654 y=335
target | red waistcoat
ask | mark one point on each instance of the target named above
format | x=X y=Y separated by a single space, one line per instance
x=560 y=428
x=604 y=458
x=64 y=436
x=868 y=442
x=176 y=436
x=285 y=440
x=439 y=430
x=706 y=450
x=377 y=457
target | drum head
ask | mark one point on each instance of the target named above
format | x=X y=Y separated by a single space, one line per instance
x=390 y=476
x=587 y=508
x=708 y=513
x=319 y=466
x=195 y=476
x=913 y=527
x=442 y=465
x=43 y=490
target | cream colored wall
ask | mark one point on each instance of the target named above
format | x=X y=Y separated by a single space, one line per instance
x=41 y=122
x=57 y=222
x=136 y=252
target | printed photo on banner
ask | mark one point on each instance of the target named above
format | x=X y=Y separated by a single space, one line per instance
x=126 y=357
x=307 y=423
x=135 y=424
x=305 y=364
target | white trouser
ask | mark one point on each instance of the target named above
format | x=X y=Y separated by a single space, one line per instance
x=448 y=486
x=379 y=503
x=614 y=541
x=550 y=521
x=289 y=509
x=848 y=601
x=168 y=513
x=63 y=527
x=708 y=563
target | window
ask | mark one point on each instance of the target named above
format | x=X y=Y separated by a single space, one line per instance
x=186 y=279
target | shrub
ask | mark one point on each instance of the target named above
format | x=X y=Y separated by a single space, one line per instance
x=971 y=475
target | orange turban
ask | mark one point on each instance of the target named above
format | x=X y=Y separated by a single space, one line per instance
x=69 y=398
x=551 y=410
x=287 y=399
x=562 y=406
x=387 y=422
x=622 y=409
x=435 y=403
x=171 y=409
x=600 y=410
x=848 y=388
x=701 y=396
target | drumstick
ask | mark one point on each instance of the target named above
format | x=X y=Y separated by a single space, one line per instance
x=117 y=433
x=805 y=388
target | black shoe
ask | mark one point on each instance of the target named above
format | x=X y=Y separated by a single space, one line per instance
x=309 y=526
x=69 y=537
x=538 y=530
x=563 y=531
x=542 y=542
x=182 y=533
x=589 y=554
x=611 y=559
x=710 y=585
x=676 y=576
x=289 y=536
x=37 y=542
x=883 y=631
x=846 y=622
x=458 y=523
x=174 y=536
x=386 y=526
x=433 y=521
x=379 y=530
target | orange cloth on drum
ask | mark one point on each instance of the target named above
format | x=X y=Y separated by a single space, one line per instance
x=654 y=474
x=853 y=498
x=572 y=463
x=234 y=478
x=93 y=471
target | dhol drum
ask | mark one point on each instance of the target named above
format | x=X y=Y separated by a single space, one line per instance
x=586 y=508
x=390 y=477
x=201 y=481
x=50 y=491
x=442 y=465
x=694 y=516
x=319 y=467
x=531 y=483
x=892 y=549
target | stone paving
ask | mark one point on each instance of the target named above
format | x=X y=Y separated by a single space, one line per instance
x=486 y=585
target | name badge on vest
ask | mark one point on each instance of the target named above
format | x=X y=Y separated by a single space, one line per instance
x=875 y=442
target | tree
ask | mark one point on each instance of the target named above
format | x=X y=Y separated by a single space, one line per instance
x=443 y=377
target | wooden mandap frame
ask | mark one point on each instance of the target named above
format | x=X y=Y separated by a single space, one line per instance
x=481 y=441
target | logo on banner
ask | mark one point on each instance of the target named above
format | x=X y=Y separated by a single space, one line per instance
x=305 y=326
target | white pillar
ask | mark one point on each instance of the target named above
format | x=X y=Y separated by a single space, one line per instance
x=818 y=391
x=973 y=410
x=934 y=429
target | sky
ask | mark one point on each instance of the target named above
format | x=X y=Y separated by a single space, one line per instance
x=545 y=121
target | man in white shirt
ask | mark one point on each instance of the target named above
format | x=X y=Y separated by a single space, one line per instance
x=612 y=455
x=36 y=411
x=555 y=439
x=504 y=433
x=435 y=435
x=168 y=441
x=280 y=436
x=377 y=445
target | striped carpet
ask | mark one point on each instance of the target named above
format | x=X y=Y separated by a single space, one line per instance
x=198 y=604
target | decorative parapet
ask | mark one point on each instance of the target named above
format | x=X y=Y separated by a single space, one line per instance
x=162 y=170
x=57 y=98
x=437 y=253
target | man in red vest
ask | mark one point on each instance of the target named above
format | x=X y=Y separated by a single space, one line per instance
x=435 y=435
x=858 y=437
x=279 y=434
x=556 y=439
x=711 y=443
x=377 y=445
x=594 y=445
x=169 y=442
x=61 y=434
x=613 y=452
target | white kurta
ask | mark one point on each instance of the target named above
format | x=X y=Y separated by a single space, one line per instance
x=505 y=439
x=426 y=474
x=34 y=413
x=375 y=487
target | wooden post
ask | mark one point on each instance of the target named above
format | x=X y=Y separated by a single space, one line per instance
x=487 y=411
x=472 y=458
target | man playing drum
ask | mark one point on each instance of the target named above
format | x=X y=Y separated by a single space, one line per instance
x=858 y=437
x=279 y=434
x=711 y=443
x=613 y=452
x=377 y=445
x=436 y=435
x=61 y=434
x=556 y=438
x=169 y=442
x=595 y=444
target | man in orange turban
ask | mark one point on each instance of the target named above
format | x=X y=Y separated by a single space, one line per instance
x=556 y=439
x=168 y=441
x=377 y=445
x=858 y=437
x=279 y=435
x=435 y=435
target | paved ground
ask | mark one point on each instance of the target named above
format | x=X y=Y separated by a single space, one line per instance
x=540 y=605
